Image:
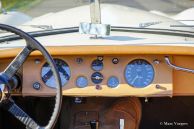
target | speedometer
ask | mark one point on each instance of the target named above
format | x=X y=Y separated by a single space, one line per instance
x=139 y=73
x=47 y=74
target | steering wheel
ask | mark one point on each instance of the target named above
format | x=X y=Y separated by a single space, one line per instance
x=5 y=97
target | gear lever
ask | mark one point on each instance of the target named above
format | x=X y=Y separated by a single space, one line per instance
x=94 y=124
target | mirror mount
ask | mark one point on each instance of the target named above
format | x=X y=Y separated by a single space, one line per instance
x=95 y=28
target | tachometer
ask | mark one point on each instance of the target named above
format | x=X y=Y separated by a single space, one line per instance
x=139 y=73
x=47 y=74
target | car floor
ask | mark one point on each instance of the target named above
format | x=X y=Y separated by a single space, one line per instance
x=155 y=113
x=107 y=112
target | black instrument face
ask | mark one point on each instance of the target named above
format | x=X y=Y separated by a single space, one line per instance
x=48 y=77
x=97 y=78
x=139 y=73
x=97 y=65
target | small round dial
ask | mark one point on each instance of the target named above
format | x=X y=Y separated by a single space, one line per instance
x=81 y=82
x=113 y=82
x=97 y=78
x=47 y=74
x=139 y=73
x=97 y=65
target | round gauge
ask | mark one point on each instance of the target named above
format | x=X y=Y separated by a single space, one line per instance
x=113 y=82
x=97 y=65
x=139 y=73
x=97 y=78
x=47 y=74
x=82 y=82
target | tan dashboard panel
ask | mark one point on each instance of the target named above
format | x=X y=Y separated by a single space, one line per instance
x=105 y=50
x=183 y=81
x=163 y=77
x=181 y=56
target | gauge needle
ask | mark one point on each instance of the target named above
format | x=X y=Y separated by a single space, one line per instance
x=136 y=77
x=97 y=77
x=47 y=76
x=64 y=72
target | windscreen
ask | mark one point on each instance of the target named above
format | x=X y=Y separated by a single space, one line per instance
x=166 y=14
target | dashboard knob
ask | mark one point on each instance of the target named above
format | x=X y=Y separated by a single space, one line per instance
x=115 y=60
x=37 y=86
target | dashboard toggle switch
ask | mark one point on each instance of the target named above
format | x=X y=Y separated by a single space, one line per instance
x=161 y=87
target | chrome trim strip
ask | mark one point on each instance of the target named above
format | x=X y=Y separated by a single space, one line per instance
x=177 y=67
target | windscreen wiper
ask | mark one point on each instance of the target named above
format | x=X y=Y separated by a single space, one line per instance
x=148 y=24
x=42 y=33
x=171 y=32
x=181 y=25
x=44 y=27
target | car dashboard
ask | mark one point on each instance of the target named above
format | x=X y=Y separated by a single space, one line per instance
x=100 y=76
x=91 y=73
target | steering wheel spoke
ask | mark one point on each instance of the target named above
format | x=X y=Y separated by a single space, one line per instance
x=18 y=113
x=17 y=62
